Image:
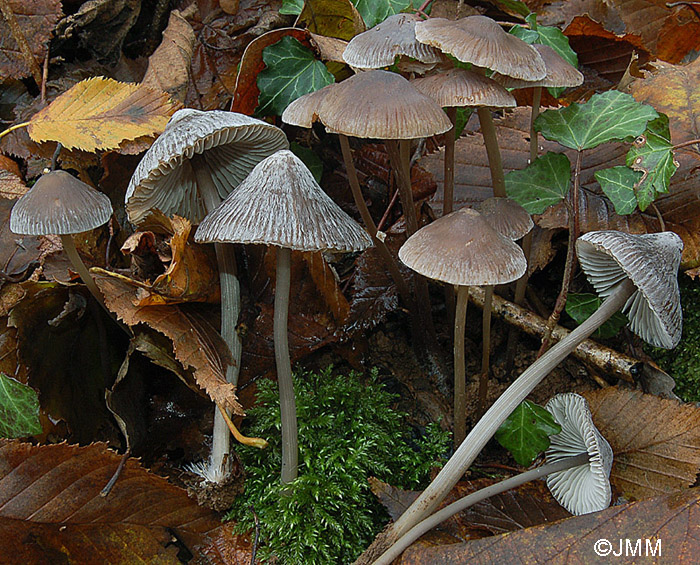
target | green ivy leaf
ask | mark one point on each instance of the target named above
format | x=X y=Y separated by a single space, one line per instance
x=550 y=36
x=376 y=11
x=581 y=306
x=513 y=7
x=463 y=115
x=291 y=7
x=652 y=154
x=618 y=185
x=544 y=183
x=291 y=71
x=19 y=409
x=309 y=158
x=611 y=116
x=525 y=433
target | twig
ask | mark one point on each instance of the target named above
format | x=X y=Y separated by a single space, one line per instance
x=45 y=75
x=108 y=487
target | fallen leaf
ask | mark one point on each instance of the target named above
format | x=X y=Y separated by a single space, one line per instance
x=19 y=254
x=680 y=34
x=333 y=18
x=169 y=65
x=329 y=48
x=11 y=185
x=656 y=441
x=195 y=342
x=36 y=19
x=100 y=113
x=51 y=505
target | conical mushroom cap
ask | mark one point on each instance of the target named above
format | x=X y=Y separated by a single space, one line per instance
x=303 y=111
x=506 y=217
x=381 y=105
x=463 y=249
x=651 y=262
x=585 y=488
x=559 y=72
x=378 y=47
x=281 y=204
x=59 y=204
x=459 y=87
x=230 y=143
x=481 y=41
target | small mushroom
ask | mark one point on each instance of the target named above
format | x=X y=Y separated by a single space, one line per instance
x=462 y=249
x=280 y=204
x=60 y=204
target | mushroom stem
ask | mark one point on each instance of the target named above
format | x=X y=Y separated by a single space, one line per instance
x=460 y=461
x=449 y=182
x=488 y=130
x=81 y=269
x=485 y=348
x=474 y=498
x=288 y=411
x=460 y=384
x=518 y=299
x=230 y=310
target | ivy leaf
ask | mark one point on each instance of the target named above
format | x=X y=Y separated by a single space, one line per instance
x=550 y=36
x=513 y=7
x=291 y=7
x=652 y=154
x=463 y=115
x=309 y=158
x=19 y=409
x=544 y=183
x=376 y=11
x=291 y=71
x=525 y=433
x=611 y=116
x=581 y=306
x=618 y=185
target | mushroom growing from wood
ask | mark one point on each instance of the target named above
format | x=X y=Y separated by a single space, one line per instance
x=280 y=204
x=195 y=163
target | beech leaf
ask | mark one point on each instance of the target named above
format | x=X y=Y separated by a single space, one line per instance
x=611 y=116
x=19 y=409
x=101 y=113
x=525 y=433
x=291 y=71
x=544 y=183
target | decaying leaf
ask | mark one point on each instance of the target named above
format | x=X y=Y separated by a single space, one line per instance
x=196 y=343
x=333 y=18
x=656 y=441
x=50 y=495
x=100 y=113
x=19 y=254
x=11 y=185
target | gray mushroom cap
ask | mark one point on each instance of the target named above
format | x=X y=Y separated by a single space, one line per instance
x=303 y=111
x=231 y=144
x=379 y=46
x=461 y=248
x=281 y=204
x=507 y=217
x=59 y=204
x=559 y=72
x=651 y=262
x=585 y=488
x=459 y=87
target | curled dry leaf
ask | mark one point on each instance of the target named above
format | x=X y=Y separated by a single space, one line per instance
x=656 y=441
x=196 y=343
x=101 y=113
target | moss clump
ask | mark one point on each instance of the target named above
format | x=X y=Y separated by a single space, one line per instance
x=348 y=432
x=683 y=362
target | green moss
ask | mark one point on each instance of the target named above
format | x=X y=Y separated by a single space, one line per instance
x=348 y=432
x=683 y=362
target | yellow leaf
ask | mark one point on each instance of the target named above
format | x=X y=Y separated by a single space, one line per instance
x=100 y=113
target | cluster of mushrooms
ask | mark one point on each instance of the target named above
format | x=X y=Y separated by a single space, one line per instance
x=235 y=177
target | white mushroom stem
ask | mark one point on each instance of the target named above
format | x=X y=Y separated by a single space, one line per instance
x=488 y=131
x=484 y=430
x=81 y=269
x=230 y=310
x=288 y=410
x=471 y=499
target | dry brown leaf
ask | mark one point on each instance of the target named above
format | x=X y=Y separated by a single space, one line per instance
x=327 y=284
x=196 y=343
x=100 y=113
x=11 y=185
x=329 y=48
x=36 y=20
x=656 y=441
x=669 y=523
x=332 y=18
x=169 y=65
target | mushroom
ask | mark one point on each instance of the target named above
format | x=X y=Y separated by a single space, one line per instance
x=577 y=472
x=281 y=204
x=60 y=204
x=196 y=162
x=634 y=272
x=462 y=249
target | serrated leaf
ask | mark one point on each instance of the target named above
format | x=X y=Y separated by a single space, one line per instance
x=310 y=159
x=525 y=433
x=618 y=185
x=291 y=7
x=611 y=116
x=652 y=154
x=19 y=409
x=376 y=11
x=544 y=183
x=581 y=306
x=100 y=113
x=291 y=71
